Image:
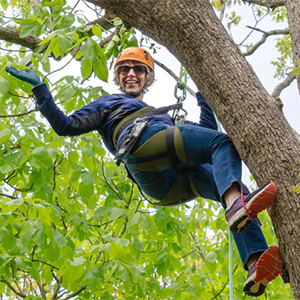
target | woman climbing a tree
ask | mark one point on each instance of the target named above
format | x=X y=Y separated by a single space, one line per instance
x=172 y=164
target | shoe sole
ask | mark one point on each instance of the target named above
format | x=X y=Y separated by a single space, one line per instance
x=264 y=198
x=268 y=267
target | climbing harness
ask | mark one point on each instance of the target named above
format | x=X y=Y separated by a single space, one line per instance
x=139 y=119
x=162 y=150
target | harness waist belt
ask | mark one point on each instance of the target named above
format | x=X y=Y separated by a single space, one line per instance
x=141 y=113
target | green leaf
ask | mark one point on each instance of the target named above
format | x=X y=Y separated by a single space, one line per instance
x=28 y=27
x=67 y=93
x=34 y=272
x=59 y=239
x=40 y=152
x=69 y=20
x=6 y=169
x=4 y=85
x=115 y=213
x=5 y=134
x=100 y=69
x=96 y=29
x=86 y=68
x=122 y=242
x=211 y=256
x=87 y=178
x=101 y=211
x=11 y=205
x=64 y=43
x=8 y=239
x=89 y=50
x=118 y=22
x=135 y=219
x=4 y=4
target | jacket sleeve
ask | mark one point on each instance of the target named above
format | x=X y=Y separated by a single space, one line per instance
x=207 y=118
x=86 y=119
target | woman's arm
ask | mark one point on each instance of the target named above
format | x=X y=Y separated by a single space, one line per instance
x=86 y=119
x=207 y=117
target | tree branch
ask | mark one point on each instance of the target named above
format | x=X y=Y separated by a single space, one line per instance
x=223 y=7
x=12 y=288
x=76 y=293
x=12 y=35
x=59 y=281
x=104 y=22
x=42 y=290
x=8 y=196
x=45 y=263
x=19 y=115
x=267 y=3
x=280 y=87
x=264 y=38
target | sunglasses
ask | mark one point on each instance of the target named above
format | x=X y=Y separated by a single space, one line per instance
x=138 y=70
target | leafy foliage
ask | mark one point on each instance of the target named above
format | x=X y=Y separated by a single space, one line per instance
x=72 y=224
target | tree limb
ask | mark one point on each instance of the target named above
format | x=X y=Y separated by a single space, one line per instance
x=223 y=7
x=12 y=35
x=19 y=115
x=59 y=281
x=264 y=38
x=8 y=196
x=45 y=263
x=76 y=293
x=12 y=288
x=280 y=87
x=42 y=290
x=267 y=3
x=104 y=22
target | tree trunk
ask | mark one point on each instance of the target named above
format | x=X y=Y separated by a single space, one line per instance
x=191 y=31
x=293 y=11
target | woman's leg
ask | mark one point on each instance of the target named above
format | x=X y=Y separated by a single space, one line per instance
x=203 y=146
x=249 y=242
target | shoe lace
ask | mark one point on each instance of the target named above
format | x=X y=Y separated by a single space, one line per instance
x=252 y=214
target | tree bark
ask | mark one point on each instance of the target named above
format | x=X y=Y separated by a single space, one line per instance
x=293 y=11
x=191 y=31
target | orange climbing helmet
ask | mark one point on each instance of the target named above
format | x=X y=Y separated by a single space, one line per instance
x=136 y=54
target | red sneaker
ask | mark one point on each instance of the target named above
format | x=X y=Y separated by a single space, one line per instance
x=242 y=211
x=264 y=270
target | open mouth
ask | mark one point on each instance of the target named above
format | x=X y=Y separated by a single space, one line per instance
x=131 y=82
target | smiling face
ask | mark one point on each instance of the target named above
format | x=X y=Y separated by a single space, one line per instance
x=132 y=82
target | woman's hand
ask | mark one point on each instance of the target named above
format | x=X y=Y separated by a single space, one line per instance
x=28 y=76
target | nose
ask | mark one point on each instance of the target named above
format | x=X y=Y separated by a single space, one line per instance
x=131 y=73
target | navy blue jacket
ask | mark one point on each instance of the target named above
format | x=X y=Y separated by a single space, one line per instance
x=104 y=114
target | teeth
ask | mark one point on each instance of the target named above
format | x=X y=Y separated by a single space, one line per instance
x=131 y=82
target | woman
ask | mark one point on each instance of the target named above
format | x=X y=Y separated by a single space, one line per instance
x=171 y=164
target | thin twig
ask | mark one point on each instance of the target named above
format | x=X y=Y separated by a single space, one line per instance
x=224 y=286
x=12 y=288
x=264 y=38
x=45 y=263
x=19 y=115
x=76 y=293
x=8 y=196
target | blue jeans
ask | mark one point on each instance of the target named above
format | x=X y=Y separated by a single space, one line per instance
x=214 y=165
